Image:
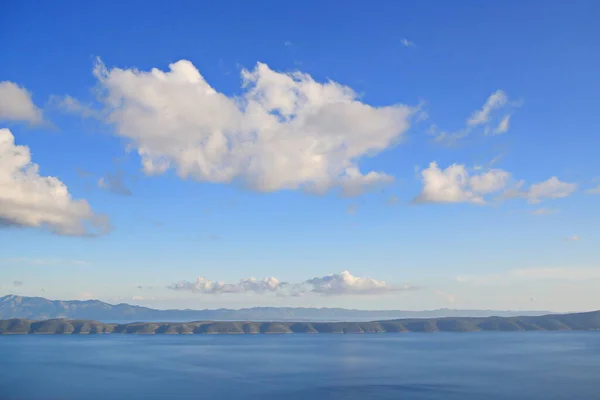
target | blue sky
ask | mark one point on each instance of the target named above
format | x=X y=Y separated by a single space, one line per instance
x=504 y=94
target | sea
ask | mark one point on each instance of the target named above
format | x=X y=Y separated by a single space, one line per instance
x=440 y=366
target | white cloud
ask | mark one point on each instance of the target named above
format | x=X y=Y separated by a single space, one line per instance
x=284 y=131
x=496 y=101
x=490 y=181
x=552 y=188
x=503 y=125
x=30 y=200
x=343 y=283
x=486 y=117
x=455 y=185
x=448 y=138
x=495 y=160
x=83 y=173
x=533 y=274
x=203 y=285
x=354 y=183
x=446 y=186
x=407 y=43
x=114 y=183
x=71 y=105
x=574 y=238
x=16 y=104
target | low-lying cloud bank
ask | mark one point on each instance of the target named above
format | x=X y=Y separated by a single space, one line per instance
x=343 y=283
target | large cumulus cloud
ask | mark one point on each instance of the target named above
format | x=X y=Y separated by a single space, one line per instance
x=284 y=131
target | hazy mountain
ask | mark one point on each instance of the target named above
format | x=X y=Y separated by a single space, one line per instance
x=552 y=322
x=37 y=308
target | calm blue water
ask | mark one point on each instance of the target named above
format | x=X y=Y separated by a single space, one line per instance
x=534 y=365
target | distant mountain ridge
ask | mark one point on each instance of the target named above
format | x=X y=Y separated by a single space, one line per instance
x=554 y=322
x=39 y=308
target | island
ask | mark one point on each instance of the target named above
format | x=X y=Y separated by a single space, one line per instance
x=39 y=308
x=586 y=321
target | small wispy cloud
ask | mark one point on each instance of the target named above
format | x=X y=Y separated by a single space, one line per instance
x=486 y=118
x=345 y=283
x=450 y=139
x=489 y=164
x=422 y=116
x=71 y=105
x=407 y=43
x=595 y=190
x=82 y=173
x=288 y=43
x=114 y=183
x=503 y=125
x=497 y=100
x=574 y=238
x=495 y=160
